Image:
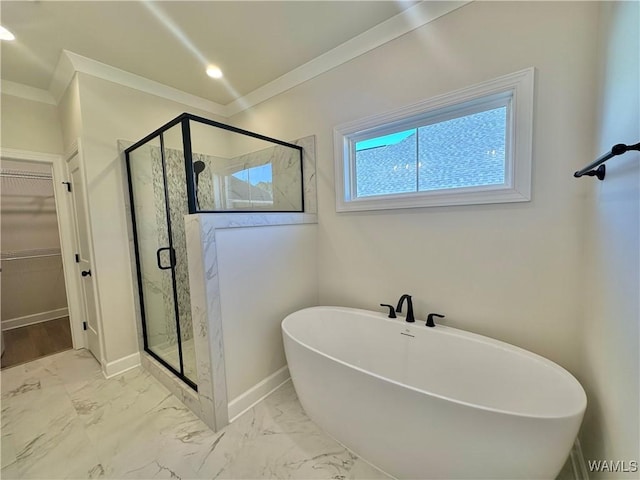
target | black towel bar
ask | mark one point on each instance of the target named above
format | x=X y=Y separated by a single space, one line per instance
x=599 y=172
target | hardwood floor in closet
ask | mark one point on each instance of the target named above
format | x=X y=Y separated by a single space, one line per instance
x=34 y=341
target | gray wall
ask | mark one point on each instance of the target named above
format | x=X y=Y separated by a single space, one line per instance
x=611 y=316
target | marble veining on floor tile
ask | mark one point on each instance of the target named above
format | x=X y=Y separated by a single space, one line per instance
x=62 y=419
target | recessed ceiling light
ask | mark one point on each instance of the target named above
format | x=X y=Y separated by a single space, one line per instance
x=6 y=34
x=214 y=72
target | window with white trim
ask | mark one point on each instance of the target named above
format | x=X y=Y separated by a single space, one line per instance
x=471 y=146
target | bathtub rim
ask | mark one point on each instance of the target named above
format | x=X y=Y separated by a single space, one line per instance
x=455 y=332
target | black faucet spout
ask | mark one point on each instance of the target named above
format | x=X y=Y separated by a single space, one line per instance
x=410 y=318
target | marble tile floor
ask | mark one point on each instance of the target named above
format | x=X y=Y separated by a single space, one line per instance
x=169 y=353
x=62 y=419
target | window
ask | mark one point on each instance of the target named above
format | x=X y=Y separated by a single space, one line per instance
x=467 y=147
x=250 y=188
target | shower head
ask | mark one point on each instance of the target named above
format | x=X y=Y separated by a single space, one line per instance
x=198 y=167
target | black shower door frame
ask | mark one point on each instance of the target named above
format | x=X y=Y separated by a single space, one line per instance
x=187 y=155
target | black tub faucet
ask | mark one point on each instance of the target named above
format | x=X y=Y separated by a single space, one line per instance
x=430 y=322
x=406 y=297
x=392 y=312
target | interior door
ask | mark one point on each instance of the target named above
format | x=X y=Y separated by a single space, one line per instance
x=83 y=256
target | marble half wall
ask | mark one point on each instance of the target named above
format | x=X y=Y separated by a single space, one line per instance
x=209 y=302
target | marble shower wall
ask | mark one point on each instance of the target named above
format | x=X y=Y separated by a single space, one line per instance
x=309 y=186
x=206 y=194
x=162 y=236
x=151 y=225
x=178 y=207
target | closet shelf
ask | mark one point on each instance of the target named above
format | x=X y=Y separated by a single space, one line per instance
x=4 y=173
x=33 y=253
x=17 y=183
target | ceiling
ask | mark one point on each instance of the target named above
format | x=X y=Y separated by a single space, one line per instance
x=171 y=42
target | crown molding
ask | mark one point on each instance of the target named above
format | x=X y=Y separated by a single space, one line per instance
x=107 y=72
x=14 y=154
x=398 y=25
x=25 y=91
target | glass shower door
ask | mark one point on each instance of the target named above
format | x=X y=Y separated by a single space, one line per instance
x=178 y=207
x=159 y=257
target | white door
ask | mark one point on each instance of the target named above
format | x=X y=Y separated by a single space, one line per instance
x=83 y=256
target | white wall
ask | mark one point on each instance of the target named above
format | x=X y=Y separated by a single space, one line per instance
x=508 y=271
x=30 y=286
x=70 y=116
x=111 y=112
x=265 y=273
x=30 y=125
x=611 y=317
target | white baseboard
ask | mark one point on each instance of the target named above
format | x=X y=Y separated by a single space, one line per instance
x=18 y=322
x=580 y=471
x=111 y=369
x=248 y=399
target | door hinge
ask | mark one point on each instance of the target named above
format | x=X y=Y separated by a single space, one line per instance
x=77 y=258
x=84 y=325
x=68 y=184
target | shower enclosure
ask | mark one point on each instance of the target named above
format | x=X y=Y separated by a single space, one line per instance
x=195 y=165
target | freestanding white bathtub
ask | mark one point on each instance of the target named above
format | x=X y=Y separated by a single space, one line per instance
x=422 y=402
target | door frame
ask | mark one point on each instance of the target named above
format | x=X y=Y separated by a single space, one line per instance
x=65 y=232
x=66 y=223
x=76 y=150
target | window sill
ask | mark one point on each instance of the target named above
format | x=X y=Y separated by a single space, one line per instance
x=436 y=198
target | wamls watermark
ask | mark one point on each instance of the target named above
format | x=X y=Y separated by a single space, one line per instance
x=618 y=466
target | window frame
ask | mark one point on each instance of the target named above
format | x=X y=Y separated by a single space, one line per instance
x=518 y=86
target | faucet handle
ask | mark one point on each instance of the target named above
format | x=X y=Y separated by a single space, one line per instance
x=430 y=322
x=392 y=312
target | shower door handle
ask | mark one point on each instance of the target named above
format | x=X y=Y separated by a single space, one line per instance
x=172 y=258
